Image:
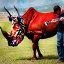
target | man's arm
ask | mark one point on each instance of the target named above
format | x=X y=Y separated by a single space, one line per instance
x=55 y=20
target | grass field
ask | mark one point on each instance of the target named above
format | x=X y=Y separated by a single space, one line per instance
x=22 y=54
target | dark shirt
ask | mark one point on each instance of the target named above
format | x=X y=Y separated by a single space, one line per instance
x=60 y=25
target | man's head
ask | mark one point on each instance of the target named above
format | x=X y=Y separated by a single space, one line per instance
x=57 y=9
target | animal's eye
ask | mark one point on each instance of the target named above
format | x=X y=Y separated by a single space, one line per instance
x=20 y=31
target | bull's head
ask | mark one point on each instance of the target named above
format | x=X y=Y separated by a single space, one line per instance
x=17 y=19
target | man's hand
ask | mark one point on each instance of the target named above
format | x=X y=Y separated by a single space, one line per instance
x=62 y=20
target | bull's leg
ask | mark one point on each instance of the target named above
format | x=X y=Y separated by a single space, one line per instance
x=34 y=51
x=36 y=47
x=39 y=53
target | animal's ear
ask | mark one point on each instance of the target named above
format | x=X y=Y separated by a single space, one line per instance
x=19 y=19
x=11 y=18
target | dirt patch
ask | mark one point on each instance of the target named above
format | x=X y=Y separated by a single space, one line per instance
x=4 y=19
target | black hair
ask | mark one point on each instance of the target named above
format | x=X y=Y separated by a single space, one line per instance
x=56 y=8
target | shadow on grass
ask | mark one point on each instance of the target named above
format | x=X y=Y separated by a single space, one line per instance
x=24 y=59
x=51 y=57
x=45 y=57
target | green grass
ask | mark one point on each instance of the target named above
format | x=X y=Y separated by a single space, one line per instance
x=23 y=53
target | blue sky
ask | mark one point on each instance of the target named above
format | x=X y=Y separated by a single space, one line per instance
x=38 y=4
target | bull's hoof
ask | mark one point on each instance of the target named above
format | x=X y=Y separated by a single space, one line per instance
x=34 y=58
x=41 y=56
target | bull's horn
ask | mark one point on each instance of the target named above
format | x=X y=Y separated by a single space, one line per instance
x=7 y=11
x=17 y=11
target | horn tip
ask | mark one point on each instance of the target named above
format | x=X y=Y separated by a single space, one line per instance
x=14 y=5
x=4 y=6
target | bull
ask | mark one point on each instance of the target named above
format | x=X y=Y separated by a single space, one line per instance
x=35 y=29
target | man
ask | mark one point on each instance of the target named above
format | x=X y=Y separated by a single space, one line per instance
x=60 y=33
